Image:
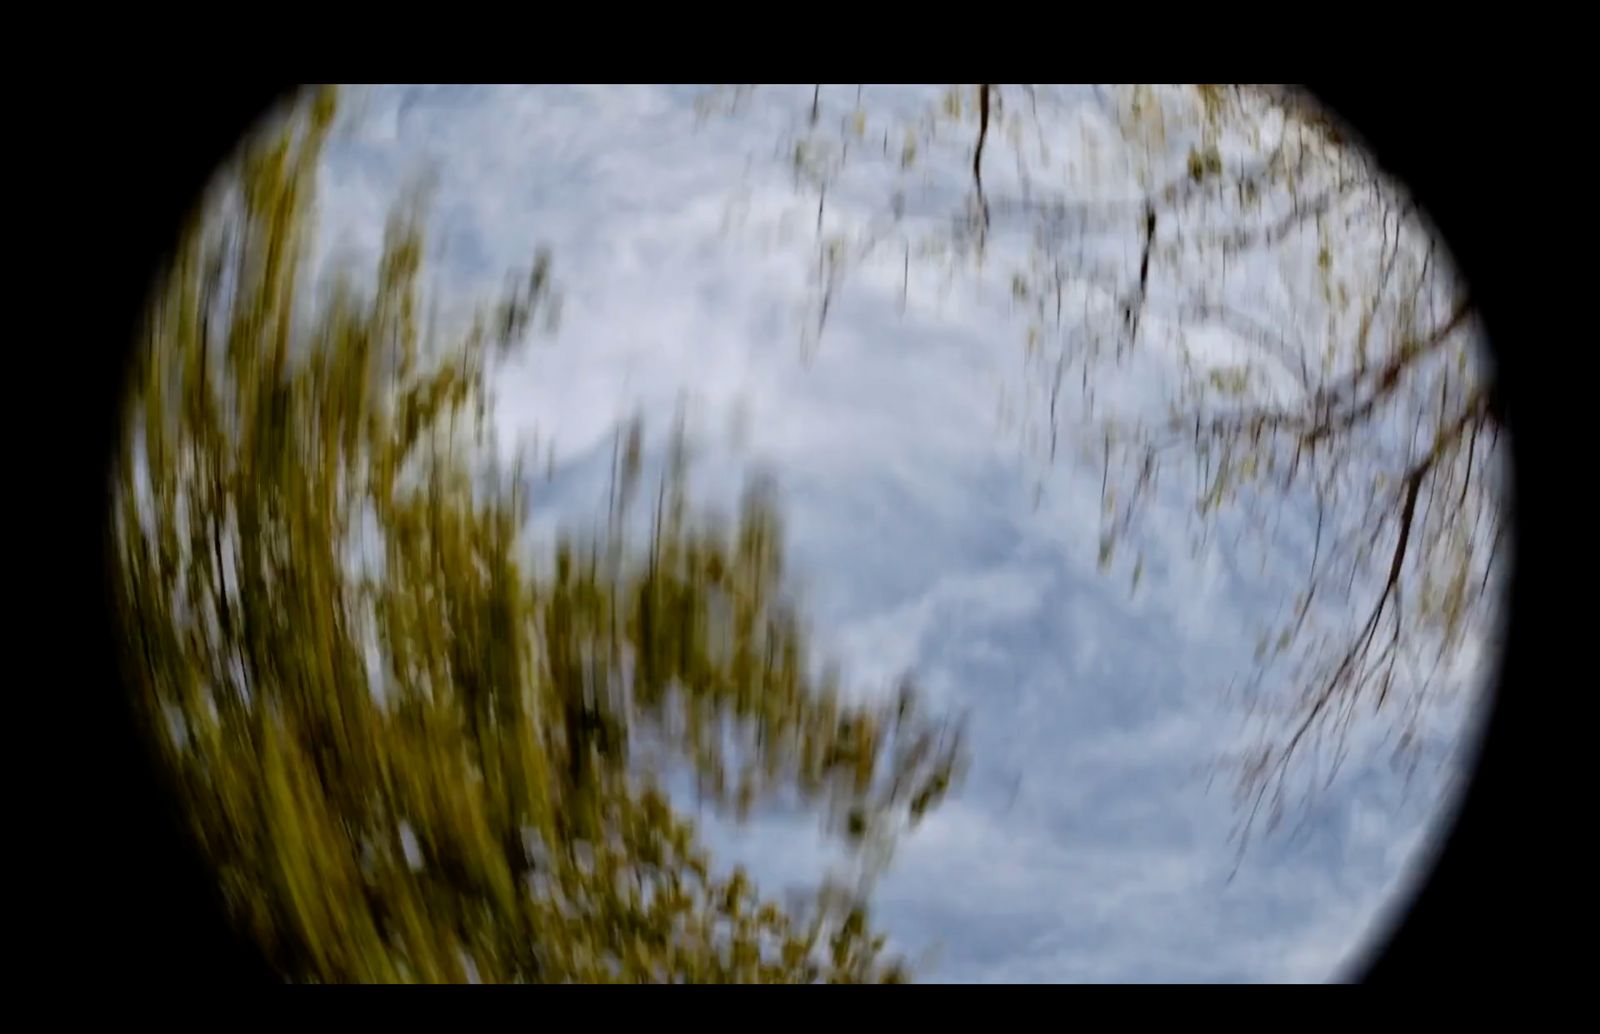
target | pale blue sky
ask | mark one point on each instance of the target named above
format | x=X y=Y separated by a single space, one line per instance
x=1085 y=845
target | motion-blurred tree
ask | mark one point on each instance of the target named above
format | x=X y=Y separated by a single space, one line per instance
x=408 y=758
x=1352 y=385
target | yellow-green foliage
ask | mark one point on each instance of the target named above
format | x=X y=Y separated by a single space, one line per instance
x=408 y=758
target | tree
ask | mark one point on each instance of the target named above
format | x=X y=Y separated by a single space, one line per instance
x=1356 y=394
x=407 y=757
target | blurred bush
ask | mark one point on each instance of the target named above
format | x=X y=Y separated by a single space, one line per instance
x=407 y=758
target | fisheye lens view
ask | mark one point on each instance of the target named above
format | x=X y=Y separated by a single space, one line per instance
x=838 y=533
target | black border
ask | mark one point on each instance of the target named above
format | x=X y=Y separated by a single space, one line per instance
x=142 y=908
